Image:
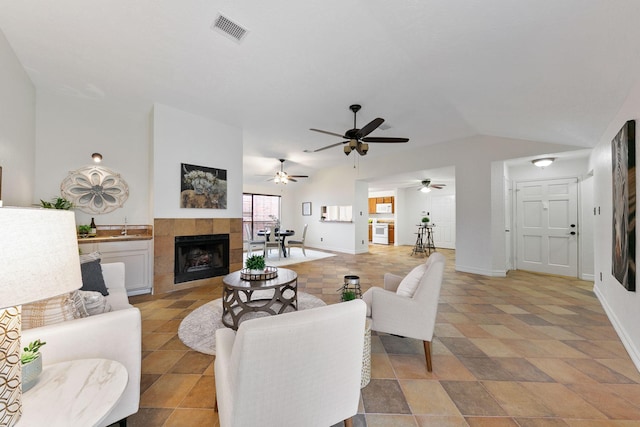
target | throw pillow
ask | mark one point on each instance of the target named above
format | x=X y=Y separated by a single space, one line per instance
x=93 y=256
x=92 y=279
x=49 y=311
x=409 y=284
x=95 y=302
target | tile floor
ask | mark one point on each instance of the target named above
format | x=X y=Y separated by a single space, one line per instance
x=527 y=350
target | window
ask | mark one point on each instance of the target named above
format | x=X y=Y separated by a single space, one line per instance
x=260 y=211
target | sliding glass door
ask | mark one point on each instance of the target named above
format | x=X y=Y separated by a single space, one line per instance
x=259 y=211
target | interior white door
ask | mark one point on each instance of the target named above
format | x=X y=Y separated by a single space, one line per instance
x=443 y=217
x=547 y=228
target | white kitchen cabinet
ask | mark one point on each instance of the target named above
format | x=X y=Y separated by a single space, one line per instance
x=136 y=256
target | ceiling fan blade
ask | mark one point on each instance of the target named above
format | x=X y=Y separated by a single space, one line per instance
x=299 y=176
x=384 y=139
x=330 y=146
x=328 y=133
x=370 y=127
x=438 y=186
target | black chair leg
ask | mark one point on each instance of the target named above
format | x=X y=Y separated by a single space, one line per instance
x=122 y=423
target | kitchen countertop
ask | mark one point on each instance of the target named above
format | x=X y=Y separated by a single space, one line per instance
x=112 y=233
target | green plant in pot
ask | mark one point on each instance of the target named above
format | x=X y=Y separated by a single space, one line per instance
x=31 y=361
x=84 y=230
x=255 y=262
x=425 y=219
x=57 y=203
x=348 y=295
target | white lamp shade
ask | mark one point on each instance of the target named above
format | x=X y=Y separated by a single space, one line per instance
x=38 y=255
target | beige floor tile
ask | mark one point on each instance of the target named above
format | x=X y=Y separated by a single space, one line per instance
x=168 y=391
x=561 y=371
x=428 y=397
x=160 y=362
x=516 y=400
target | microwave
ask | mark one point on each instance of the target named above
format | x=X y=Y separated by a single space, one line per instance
x=384 y=208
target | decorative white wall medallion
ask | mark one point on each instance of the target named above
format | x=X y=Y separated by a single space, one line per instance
x=95 y=189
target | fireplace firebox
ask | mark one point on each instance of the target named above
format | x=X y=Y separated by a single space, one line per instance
x=201 y=257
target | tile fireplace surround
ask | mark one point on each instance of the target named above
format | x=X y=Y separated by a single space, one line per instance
x=165 y=231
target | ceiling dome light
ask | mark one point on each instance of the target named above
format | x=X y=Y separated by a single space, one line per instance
x=541 y=163
x=97 y=157
x=425 y=189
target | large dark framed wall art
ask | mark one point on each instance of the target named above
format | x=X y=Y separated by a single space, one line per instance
x=203 y=187
x=623 y=256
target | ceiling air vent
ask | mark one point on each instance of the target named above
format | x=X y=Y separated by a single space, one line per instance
x=229 y=28
x=384 y=126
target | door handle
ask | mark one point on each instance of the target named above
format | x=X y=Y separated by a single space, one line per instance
x=573 y=233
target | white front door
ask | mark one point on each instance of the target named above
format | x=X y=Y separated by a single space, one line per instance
x=547 y=226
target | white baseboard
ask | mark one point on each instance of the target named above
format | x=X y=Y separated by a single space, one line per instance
x=634 y=354
x=481 y=271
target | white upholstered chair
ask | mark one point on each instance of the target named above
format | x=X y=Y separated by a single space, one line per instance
x=251 y=242
x=408 y=306
x=295 y=369
x=298 y=243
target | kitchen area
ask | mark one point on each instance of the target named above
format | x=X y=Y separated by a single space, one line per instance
x=382 y=220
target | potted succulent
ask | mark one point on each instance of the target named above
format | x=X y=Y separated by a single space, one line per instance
x=31 y=361
x=425 y=219
x=84 y=230
x=57 y=203
x=255 y=262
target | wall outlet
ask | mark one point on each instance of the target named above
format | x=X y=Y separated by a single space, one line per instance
x=321 y=239
x=363 y=242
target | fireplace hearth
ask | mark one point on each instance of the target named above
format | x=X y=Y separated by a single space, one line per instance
x=201 y=257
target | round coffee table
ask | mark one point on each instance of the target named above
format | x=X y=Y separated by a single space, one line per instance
x=273 y=296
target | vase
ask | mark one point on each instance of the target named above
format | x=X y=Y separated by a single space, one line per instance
x=30 y=373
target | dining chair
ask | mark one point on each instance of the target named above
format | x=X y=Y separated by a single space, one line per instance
x=302 y=368
x=273 y=243
x=298 y=243
x=250 y=242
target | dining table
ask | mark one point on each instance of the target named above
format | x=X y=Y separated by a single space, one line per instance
x=283 y=234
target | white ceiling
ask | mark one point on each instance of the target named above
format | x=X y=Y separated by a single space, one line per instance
x=551 y=71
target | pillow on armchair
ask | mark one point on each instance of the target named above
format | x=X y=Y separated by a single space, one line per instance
x=409 y=284
x=92 y=279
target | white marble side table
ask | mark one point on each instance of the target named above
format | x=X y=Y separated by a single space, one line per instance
x=75 y=393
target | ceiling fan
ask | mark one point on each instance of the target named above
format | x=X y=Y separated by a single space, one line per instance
x=357 y=139
x=283 y=177
x=426 y=186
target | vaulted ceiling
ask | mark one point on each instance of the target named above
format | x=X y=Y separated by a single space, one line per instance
x=551 y=71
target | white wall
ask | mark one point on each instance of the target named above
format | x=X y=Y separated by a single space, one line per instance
x=17 y=129
x=70 y=129
x=472 y=158
x=622 y=306
x=182 y=137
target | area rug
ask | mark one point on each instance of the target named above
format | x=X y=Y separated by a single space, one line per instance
x=197 y=330
x=293 y=258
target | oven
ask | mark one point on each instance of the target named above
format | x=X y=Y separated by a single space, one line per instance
x=381 y=233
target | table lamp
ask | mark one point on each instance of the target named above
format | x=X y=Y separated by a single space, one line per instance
x=38 y=260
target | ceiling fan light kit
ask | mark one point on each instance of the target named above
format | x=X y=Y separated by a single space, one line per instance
x=357 y=139
x=282 y=177
x=426 y=186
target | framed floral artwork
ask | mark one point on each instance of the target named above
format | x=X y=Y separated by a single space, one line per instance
x=202 y=187
x=95 y=189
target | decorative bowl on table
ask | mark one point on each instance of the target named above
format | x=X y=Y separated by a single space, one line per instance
x=269 y=272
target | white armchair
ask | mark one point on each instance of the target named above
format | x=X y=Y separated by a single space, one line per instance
x=294 y=369
x=115 y=335
x=408 y=306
